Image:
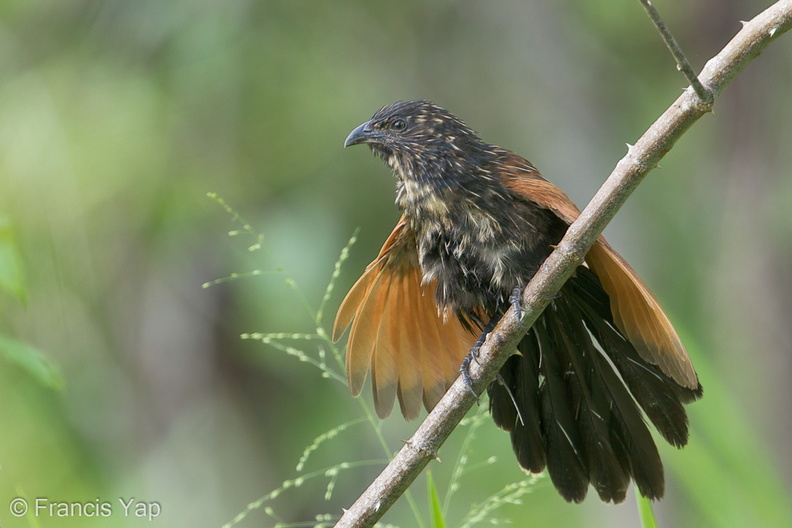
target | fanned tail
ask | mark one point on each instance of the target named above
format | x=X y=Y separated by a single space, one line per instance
x=580 y=386
x=520 y=380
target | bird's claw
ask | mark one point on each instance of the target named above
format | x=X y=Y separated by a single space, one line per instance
x=515 y=300
x=465 y=367
x=473 y=355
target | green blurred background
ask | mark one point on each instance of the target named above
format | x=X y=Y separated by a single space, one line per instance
x=117 y=117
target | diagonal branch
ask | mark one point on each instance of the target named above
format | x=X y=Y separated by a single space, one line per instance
x=630 y=170
x=682 y=63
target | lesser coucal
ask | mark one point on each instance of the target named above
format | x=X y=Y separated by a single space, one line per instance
x=477 y=222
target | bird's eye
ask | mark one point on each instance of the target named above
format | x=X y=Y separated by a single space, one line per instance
x=398 y=125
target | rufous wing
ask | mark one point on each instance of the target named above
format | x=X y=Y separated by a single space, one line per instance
x=635 y=310
x=637 y=313
x=412 y=351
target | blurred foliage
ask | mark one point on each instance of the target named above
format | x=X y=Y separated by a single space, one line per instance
x=12 y=276
x=434 y=503
x=32 y=361
x=117 y=117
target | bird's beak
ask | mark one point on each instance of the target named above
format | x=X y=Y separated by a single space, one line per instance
x=365 y=133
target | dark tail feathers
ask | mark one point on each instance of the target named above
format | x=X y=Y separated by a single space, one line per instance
x=580 y=386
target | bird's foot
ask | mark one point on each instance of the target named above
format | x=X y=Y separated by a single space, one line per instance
x=515 y=300
x=473 y=355
x=464 y=370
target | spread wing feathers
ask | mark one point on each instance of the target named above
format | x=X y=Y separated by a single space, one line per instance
x=413 y=353
x=635 y=310
x=639 y=315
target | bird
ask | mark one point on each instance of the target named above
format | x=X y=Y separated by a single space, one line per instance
x=477 y=222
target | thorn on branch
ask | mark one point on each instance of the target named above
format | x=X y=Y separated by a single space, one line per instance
x=423 y=450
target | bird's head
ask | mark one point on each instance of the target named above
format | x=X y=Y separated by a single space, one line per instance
x=419 y=138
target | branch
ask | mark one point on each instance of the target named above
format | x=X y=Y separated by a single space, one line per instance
x=640 y=159
x=682 y=63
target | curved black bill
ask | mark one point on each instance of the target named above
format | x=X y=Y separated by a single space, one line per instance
x=362 y=134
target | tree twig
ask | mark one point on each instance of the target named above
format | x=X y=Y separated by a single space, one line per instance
x=682 y=63
x=630 y=170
